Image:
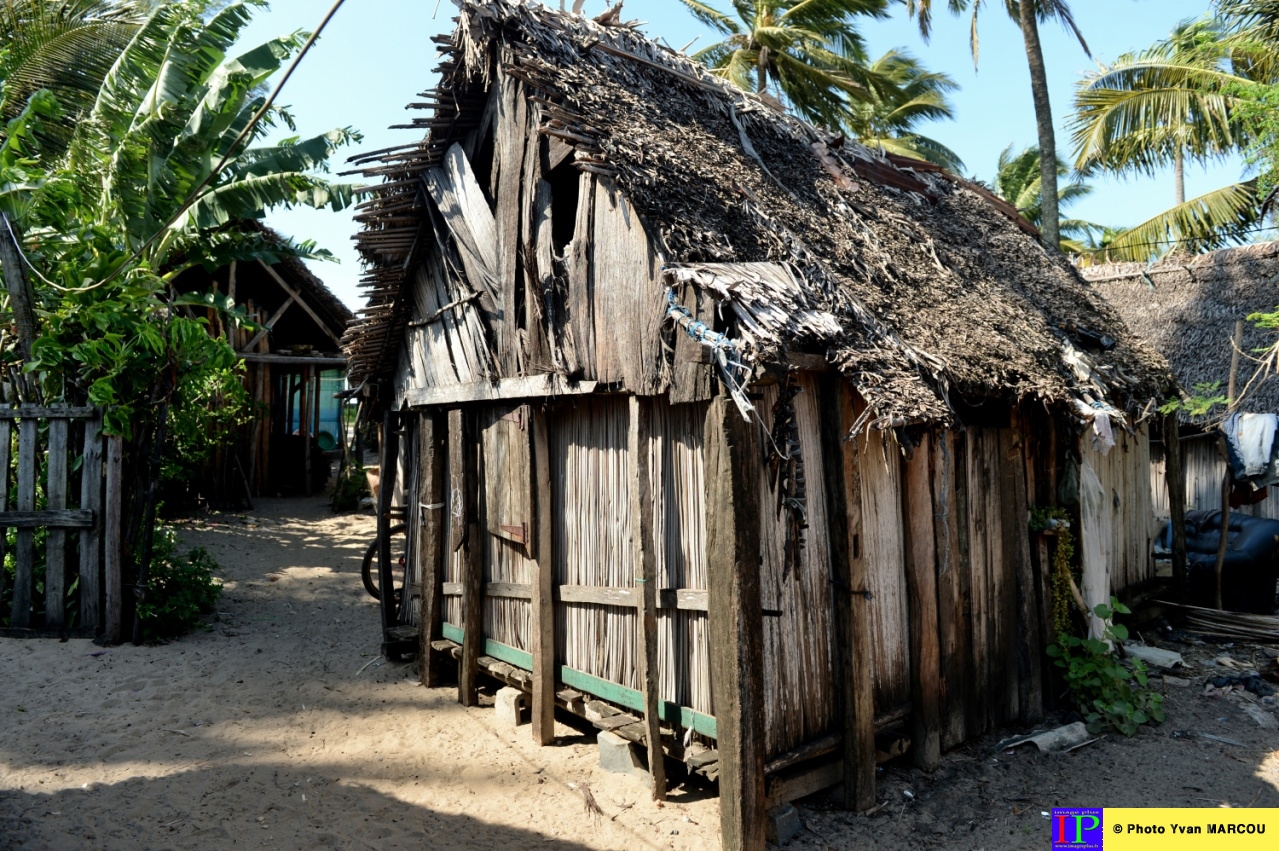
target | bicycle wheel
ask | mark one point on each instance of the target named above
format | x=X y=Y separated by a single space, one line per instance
x=399 y=559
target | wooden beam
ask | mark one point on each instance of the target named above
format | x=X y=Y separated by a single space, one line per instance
x=326 y=361
x=304 y=428
x=921 y=589
x=51 y=518
x=531 y=387
x=644 y=544
x=856 y=674
x=24 y=555
x=6 y=448
x=1175 y=479
x=733 y=462
x=434 y=513
x=297 y=296
x=113 y=543
x=542 y=620
x=91 y=538
x=462 y=495
x=43 y=413
x=55 y=550
x=1030 y=652
x=684 y=599
x=386 y=491
x=269 y=324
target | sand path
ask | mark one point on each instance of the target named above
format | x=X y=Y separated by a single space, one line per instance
x=260 y=733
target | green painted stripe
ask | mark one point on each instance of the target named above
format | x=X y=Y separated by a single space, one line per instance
x=630 y=698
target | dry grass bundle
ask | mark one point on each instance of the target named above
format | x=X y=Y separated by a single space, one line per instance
x=1237 y=625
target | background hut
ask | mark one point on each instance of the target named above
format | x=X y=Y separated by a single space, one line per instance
x=293 y=368
x=720 y=431
x=1189 y=308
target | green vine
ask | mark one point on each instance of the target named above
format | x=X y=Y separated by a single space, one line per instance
x=1056 y=519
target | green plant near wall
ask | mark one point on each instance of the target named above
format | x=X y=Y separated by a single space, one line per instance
x=1058 y=520
x=180 y=590
x=1108 y=693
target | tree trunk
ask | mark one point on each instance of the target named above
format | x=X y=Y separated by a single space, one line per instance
x=761 y=69
x=1049 y=232
x=1179 y=175
x=21 y=298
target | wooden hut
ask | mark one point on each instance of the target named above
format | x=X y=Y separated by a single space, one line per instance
x=720 y=430
x=293 y=367
x=1189 y=308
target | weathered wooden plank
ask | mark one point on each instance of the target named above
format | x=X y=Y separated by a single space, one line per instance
x=736 y=647
x=1013 y=535
x=55 y=551
x=596 y=594
x=55 y=519
x=472 y=563
x=113 y=543
x=981 y=485
x=921 y=587
x=581 y=282
x=857 y=677
x=684 y=599
x=691 y=376
x=90 y=538
x=1030 y=653
x=6 y=447
x=508 y=471
x=537 y=352
x=629 y=297
x=542 y=620
x=885 y=555
x=40 y=412
x=24 y=554
x=386 y=492
x=645 y=545
x=301 y=302
x=949 y=521
x=531 y=387
x=431 y=551
x=509 y=142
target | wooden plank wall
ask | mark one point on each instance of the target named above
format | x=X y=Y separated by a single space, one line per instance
x=801 y=701
x=1125 y=474
x=1203 y=470
x=506 y=502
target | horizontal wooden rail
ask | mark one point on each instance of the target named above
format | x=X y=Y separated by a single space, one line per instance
x=33 y=413
x=686 y=599
x=66 y=518
x=669 y=712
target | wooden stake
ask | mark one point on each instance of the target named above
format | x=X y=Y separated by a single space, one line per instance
x=24 y=555
x=6 y=447
x=921 y=588
x=465 y=478
x=435 y=516
x=542 y=619
x=646 y=562
x=55 y=550
x=1175 y=478
x=736 y=642
x=113 y=542
x=386 y=492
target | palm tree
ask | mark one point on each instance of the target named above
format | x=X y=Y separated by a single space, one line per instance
x=1028 y=14
x=1163 y=106
x=65 y=46
x=887 y=121
x=1019 y=181
x=810 y=50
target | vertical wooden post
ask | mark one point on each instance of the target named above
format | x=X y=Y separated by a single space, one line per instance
x=435 y=518
x=646 y=570
x=91 y=538
x=25 y=554
x=55 y=550
x=463 y=461
x=921 y=589
x=857 y=676
x=386 y=492
x=6 y=447
x=736 y=640
x=543 y=602
x=1030 y=652
x=1175 y=478
x=304 y=427
x=113 y=541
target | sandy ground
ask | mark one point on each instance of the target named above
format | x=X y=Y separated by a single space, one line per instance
x=280 y=727
x=260 y=733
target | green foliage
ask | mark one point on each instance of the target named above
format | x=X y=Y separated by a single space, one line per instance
x=351 y=485
x=1058 y=519
x=202 y=415
x=911 y=94
x=1202 y=401
x=1108 y=693
x=180 y=590
x=1019 y=181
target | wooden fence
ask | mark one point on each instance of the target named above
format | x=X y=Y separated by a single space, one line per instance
x=66 y=582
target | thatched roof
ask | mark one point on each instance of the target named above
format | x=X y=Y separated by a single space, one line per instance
x=934 y=289
x=1187 y=309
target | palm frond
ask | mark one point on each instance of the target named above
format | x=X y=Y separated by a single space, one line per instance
x=712 y=17
x=1210 y=221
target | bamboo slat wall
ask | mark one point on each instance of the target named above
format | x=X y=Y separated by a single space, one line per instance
x=1125 y=473
x=1203 y=468
x=801 y=697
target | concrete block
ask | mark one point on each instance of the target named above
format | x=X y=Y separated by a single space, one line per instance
x=619 y=756
x=510 y=706
x=782 y=824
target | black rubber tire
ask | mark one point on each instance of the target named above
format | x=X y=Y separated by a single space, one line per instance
x=368 y=571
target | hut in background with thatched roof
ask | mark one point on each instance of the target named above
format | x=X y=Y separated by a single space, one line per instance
x=293 y=367
x=1188 y=308
x=721 y=431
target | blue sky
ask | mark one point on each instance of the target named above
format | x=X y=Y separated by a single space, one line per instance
x=377 y=54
